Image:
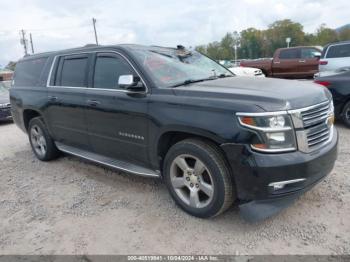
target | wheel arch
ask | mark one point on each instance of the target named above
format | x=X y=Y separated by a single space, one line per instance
x=29 y=114
x=170 y=137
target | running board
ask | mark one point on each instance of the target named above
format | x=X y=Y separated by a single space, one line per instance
x=107 y=161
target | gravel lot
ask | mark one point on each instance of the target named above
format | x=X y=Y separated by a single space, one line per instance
x=71 y=206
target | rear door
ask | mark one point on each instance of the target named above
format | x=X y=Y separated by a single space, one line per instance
x=308 y=63
x=67 y=102
x=117 y=120
x=286 y=63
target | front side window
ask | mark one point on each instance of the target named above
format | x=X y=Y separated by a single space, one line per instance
x=170 y=67
x=339 y=51
x=73 y=71
x=108 y=68
x=289 y=54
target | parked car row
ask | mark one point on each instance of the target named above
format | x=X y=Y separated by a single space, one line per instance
x=5 y=106
x=241 y=71
x=339 y=85
x=295 y=62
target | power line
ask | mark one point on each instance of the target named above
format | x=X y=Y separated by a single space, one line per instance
x=24 y=41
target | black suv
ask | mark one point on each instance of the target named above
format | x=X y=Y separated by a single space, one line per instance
x=176 y=114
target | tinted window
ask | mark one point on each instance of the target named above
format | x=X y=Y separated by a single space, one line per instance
x=28 y=72
x=339 y=51
x=308 y=52
x=73 y=72
x=108 y=69
x=289 y=54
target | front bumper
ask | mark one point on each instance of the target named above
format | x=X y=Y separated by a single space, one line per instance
x=5 y=114
x=254 y=172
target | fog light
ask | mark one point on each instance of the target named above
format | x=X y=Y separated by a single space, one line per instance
x=281 y=184
x=278 y=186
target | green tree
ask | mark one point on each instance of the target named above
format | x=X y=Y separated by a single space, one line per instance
x=344 y=34
x=11 y=65
x=252 y=43
x=325 y=35
x=278 y=31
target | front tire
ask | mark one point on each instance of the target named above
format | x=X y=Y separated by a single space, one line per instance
x=198 y=178
x=41 y=142
x=346 y=114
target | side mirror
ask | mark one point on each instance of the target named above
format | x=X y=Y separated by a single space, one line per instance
x=317 y=54
x=131 y=82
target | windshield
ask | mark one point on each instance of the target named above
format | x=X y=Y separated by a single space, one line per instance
x=171 y=67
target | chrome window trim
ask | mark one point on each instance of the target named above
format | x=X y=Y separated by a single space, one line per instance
x=92 y=88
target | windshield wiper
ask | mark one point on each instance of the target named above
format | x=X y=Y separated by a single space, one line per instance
x=191 y=81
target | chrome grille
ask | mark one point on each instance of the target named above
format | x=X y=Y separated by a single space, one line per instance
x=317 y=135
x=316 y=115
x=313 y=130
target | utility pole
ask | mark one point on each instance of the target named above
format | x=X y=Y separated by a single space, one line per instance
x=31 y=42
x=94 y=24
x=235 y=47
x=24 y=42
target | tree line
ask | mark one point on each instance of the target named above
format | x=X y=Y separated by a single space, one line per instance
x=254 y=43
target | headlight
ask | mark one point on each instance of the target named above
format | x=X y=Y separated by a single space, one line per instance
x=275 y=132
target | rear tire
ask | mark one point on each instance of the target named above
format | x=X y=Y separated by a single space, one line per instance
x=198 y=178
x=41 y=142
x=346 y=114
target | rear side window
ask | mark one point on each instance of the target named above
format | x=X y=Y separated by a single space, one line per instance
x=289 y=54
x=72 y=71
x=28 y=72
x=108 y=68
x=336 y=51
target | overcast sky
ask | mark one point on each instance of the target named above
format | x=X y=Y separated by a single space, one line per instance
x=67 y=23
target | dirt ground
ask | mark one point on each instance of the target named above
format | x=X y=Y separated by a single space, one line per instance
x=71 y=206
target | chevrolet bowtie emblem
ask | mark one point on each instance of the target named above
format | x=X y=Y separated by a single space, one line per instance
x=330 y=121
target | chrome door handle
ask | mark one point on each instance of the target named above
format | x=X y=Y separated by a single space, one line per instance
x=277 y=62
x=301 y=61
x=93 y=102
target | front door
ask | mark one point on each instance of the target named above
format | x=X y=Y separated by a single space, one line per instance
x=117 y=120
x=66 y=101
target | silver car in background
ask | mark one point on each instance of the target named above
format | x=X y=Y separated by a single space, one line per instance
x=335 y=58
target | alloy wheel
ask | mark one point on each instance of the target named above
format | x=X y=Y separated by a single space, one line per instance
x=192 y=181
x=38 y=140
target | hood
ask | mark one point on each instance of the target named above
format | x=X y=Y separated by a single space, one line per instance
x=265 y=93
